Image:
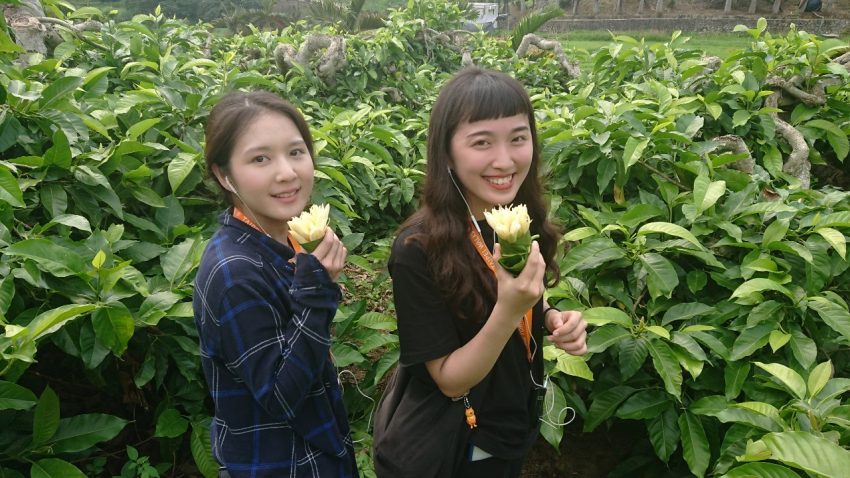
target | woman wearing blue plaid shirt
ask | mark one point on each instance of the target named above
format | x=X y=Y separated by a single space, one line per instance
x=263 y=310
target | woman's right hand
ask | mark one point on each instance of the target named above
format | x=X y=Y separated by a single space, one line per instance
x=331 y=253
x=518 y=294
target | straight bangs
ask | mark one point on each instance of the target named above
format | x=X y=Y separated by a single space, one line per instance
x=493 y=98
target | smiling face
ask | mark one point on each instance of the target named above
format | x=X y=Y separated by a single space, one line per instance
x=270 y=172
x=491 y=158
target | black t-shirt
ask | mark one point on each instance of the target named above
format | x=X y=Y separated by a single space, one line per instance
x=427 y=329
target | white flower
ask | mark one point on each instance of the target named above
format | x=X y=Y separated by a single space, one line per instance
x=510 y=224
x=309 y=227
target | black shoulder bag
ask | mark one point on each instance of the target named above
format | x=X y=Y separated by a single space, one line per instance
x=418 y=431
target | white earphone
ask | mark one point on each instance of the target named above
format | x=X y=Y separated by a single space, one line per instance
x=230 y=186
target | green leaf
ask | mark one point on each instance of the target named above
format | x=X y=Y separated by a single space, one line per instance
x=170 y=424
x=554 y=412
x=667 y=366
x=804 y=349
x=591 y=254
x=662 y=278
x=752 y=286
x=345 y=355
x=58 y=91
x=835 y=239
x=740 y=118
x=181 y=259
x=685 y=312
x=694 y=443
x=599 y=316
x=15 y=397
x=580 y=233
x=644 y=404
x=775 y=232
x=138 y=129
x=71 y=220
x=833 y=314
x=664 y=433
x=836 y=137
x=778 y=339
x=377 y=321
x=602 y=338
x=55 y=468
x=792 y=381
x=571 y=365
x=10 y=190
x=805 y=451
x=760 y=470
x=818 y=378
x=735 y=375
x=750 y=340
x=639 y=213
x=179 y=168
x=633 y=151
x=671 y=229
x=50 y=257
x=707 y=192
x=202 y=449
x=114 y=326
x=604 y=404
x=632 y=355
x=46 y=420
x=48 y=322
x=82 y=432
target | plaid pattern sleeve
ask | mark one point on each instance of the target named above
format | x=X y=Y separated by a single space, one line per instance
x=265 y=339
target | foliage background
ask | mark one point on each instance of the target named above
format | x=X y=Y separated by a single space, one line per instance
x=716 y=292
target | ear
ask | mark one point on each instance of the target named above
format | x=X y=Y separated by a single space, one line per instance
x=220 y=177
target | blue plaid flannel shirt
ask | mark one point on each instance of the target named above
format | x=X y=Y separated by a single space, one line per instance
x=264 y=329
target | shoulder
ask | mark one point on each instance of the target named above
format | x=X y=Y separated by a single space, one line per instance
x=408 y=247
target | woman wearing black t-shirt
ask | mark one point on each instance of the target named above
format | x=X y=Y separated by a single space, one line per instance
x=458 y=318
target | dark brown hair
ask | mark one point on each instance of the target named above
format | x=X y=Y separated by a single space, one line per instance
x=229 y=117
x=466 y=283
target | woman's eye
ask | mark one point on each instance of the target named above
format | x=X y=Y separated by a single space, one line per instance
x=261 y=159
x=481 y=142
x=520 y=139
x=297 y=152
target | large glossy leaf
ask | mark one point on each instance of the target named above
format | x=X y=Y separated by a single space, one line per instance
x=16 y=397
x=202 y=449
x=566 y=363
x=55 y=468
x=664 y=433
x=759 y=285
x=604 y=404
x=818 y=378
x=644 y=404
x=835 y=239
x=81 y=432
x=602 y=338
x=662 y=277
x=632 y=355
x=667 y=366
x=633 y=151
x=694 y=443
x=591 y=254
x=836 y=137
x=553 y=414
x=832 y=314
x=808 y=452
x=58 y=91
x=46 y=419
x=685 y=311
x=707 y=192
x=48 y=322
x=10 y=190
x=761 y=470
x=671 y=229
x=50 y=257
x=735 y=375
x=751 y=339
x=599 y=316
x=792 y=381
x=181 y=259
x=114 y=326
x=179 y=168
x=170 y=424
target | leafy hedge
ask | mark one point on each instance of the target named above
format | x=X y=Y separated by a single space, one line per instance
x=681 y=263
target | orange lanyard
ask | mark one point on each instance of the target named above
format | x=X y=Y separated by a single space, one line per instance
x=524 y=327
x=238 y=214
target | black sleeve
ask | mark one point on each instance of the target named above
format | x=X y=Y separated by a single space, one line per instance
x=426 y=327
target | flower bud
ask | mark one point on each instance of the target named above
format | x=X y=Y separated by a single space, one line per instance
x=512 y=228
x=309 y=227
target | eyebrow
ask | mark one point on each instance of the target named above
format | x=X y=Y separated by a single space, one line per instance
x=482 y=132
x=265 y=147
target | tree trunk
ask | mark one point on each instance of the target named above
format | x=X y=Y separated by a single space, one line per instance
x=728 y=7
x=575 y=7
x=659 y=7
x=618 y=7
x=777 y=5
x=595 y=8
x=753 y=6
x=641 y=6
x=23 y=21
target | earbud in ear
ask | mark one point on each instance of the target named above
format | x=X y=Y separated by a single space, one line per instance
x=229 y=184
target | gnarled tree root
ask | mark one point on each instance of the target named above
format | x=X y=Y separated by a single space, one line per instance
x=797 y=164
x=331 y=61
x=570 y=67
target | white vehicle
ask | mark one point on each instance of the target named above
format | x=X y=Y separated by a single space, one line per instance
x=488 y=17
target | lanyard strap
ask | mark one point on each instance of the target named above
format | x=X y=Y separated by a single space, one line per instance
x=524 y=327
x=238 y=214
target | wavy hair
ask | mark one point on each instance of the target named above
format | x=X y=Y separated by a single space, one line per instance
x=467 y=285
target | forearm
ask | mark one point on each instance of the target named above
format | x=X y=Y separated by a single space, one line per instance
x=466 y=366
